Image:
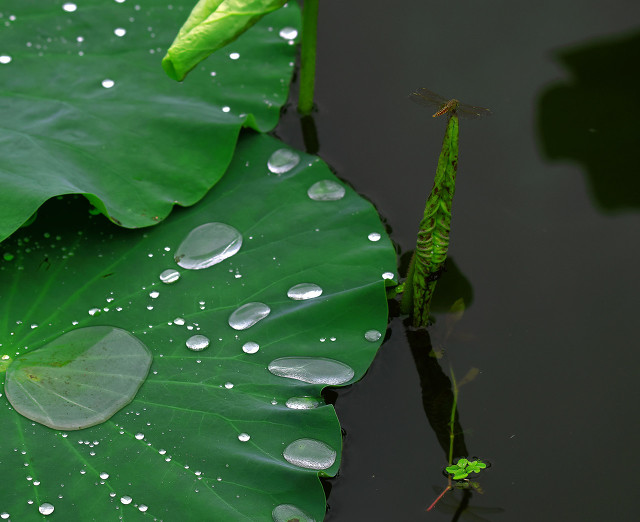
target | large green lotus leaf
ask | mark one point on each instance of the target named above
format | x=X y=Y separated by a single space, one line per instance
x=206 y=435
x=87 y=111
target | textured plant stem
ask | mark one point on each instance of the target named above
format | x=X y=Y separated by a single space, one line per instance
x=433 y=234
x=308 y=56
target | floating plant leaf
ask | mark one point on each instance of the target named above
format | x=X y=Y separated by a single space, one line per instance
x=211 y=25
x=212 y=433
x=87 y=108
x=79 y=379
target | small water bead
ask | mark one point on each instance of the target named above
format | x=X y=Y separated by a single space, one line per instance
x=169 y=276
x=374 y=236
x=197 y=343
x=250 y=347
x=69 y=7
x=107 y=83
x=139 y=436
x=5 y=59
x=226 y=109
x=314 y=370
x=228 y=385
x=208 y=245
x=302 y=403
x=283 y=160
x=120 y=31
x=326 y=190
x=288 y=512
x=143 y=508
x=310 y=454
x=372 y=335
x=388 y=275
x=248 y=315
x=46 y=508
x=104 y=475
x=244 y=437
x=126 y=499
x=234 y=56
x=304 y=291
x=179 y=321
x=94 y=311
x=288 y=33
x=154 y=295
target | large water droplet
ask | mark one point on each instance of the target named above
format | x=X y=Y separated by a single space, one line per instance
x=326 y=190
x=208 y=245
x=126 y=499
x=283 y=160
x=4 y=59
x=374 y=236
x=372 y=335
x=69 y=7
x=288 y=33
x=250 y=347
x=289 y=512
x=248 y=315
x=64 y=385
x=120 y=31
x=314 y=370
x=169 y=276
x=104 y=475
x=197 y=343
x=310 y=454
x=46 y=508
x=107 y=83
x=244 y=437
x=302 y=403
x=304 y=291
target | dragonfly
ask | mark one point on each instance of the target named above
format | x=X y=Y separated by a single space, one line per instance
x=432 y=100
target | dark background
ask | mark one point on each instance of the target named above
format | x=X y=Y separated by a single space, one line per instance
x=545 y=228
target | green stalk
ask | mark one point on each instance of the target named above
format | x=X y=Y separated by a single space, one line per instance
x=433 y=234
x=308 y=56
x=454 y=406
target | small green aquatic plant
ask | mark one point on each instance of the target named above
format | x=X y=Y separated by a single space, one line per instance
x=464 y=467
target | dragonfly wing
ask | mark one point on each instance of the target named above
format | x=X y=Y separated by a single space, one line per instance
x=428 y=98
x=469 y=111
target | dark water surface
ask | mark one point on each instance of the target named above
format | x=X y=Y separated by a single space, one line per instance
x=545 y=228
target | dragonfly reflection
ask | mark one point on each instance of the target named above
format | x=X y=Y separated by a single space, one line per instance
x=432 y=100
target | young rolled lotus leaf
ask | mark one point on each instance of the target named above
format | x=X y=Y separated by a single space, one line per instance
x=211 y=25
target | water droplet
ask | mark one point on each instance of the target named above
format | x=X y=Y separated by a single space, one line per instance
x=234 y=56
x=94 y=311
x=310 y=454
x=283 y=160
x=179 y=321
x=63 y=384
x=197 y=343
x=120 y=31
x=304 y=291
x=208 y=245
x=126 y=499
x=104 y=475
x=143 y=508
x=107 y=83
x=154 y=295
x=302 y=403
x=46 y=508
x=288 y=512
x=288 y=33
x=228 y=385
x=4 y=59
x=372 y=335
x=314 y=370
x=69 y=7
x=139 y=436
x=244 y=437
x=169 y=276
x=250 y=347
x=326 y=190
x=226 y=109
x=388 y=275
x=248 y=315
x=374 y=236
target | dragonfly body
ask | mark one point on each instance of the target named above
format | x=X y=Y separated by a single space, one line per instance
x=432 y=100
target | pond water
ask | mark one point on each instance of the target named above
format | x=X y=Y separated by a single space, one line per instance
x=545 y=229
